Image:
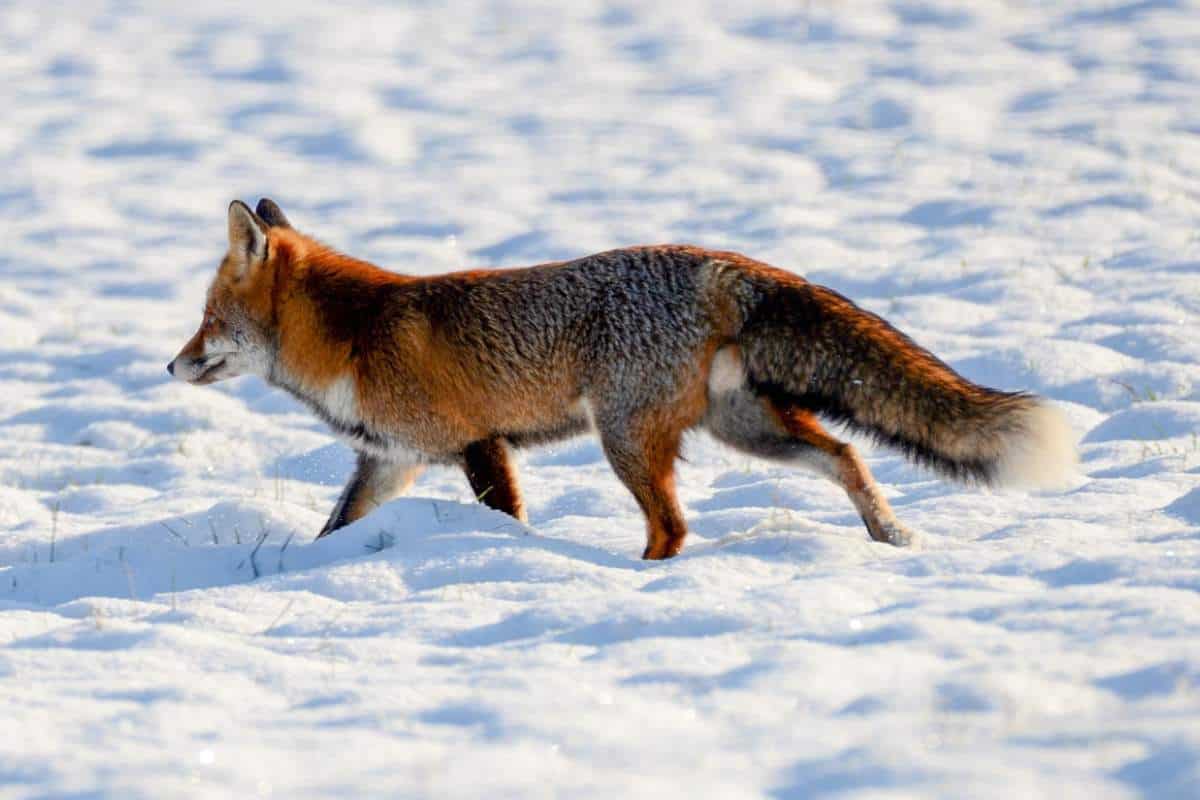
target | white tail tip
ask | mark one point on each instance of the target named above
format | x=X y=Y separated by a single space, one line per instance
x=1041 y=454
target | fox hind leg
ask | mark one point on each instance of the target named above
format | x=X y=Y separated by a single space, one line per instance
x=490 y=472
x=642 y=451
x=373 y=482
x=777 y=430
x=841 y=463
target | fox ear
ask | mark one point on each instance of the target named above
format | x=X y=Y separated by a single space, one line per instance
x=271 y=213
x=247 y=238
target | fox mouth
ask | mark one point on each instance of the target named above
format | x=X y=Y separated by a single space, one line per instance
x=207 y=375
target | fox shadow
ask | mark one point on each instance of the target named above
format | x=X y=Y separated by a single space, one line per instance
x=433 y=542
x=430 y=543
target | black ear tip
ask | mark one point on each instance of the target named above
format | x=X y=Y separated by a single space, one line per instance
x=271 y=213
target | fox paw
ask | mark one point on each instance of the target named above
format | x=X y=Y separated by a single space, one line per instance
x=900 y=536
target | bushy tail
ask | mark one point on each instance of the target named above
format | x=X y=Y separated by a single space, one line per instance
x=820 y=351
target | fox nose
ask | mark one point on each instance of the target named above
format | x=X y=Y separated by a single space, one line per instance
x=171 y=368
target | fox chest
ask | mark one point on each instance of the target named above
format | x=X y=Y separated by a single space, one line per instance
x=422 y=430
x=337 y=405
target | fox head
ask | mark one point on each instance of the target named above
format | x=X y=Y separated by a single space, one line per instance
x=236 y=336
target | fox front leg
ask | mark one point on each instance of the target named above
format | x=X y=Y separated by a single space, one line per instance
x=492 y=477
x=373 y=483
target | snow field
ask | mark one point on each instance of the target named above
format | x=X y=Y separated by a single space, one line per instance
x=1015 y=185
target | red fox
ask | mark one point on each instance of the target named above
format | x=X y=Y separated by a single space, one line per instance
x=639 y=345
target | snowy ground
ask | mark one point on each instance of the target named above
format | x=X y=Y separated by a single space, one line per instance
x=1016 y=185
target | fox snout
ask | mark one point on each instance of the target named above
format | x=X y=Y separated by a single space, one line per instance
x=197 y=363
x=201 y=370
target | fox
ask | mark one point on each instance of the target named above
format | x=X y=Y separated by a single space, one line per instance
x=638 y=345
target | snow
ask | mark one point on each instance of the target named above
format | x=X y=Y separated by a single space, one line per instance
x=1015 y=185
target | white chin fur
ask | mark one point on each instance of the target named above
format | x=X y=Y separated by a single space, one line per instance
x=1042 y=455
